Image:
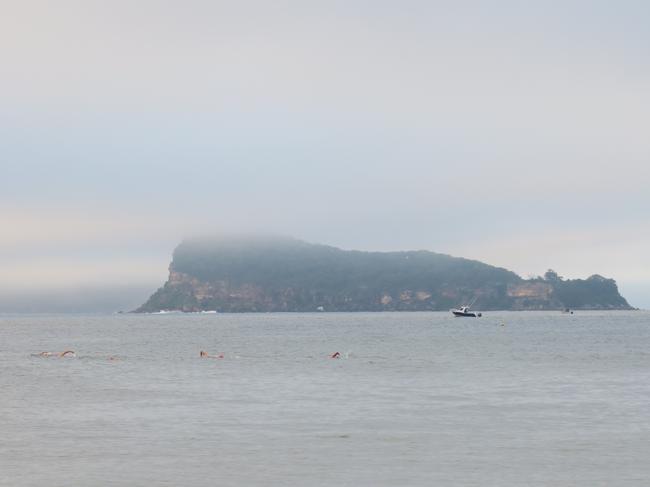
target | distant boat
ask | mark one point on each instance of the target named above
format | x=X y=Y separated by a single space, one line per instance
x=464 y=311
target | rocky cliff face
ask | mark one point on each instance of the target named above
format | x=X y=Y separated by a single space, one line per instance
x=186 y=293
x=289 y=275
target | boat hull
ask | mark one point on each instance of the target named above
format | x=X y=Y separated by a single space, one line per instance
x=465 y=314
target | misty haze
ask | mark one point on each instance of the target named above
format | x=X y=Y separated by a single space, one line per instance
x=508 y=134
x=312 y=243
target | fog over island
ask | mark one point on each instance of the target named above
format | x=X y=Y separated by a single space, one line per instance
x=309 y=243
x=508 y=133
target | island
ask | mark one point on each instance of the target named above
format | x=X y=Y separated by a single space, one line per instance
x=275 y=274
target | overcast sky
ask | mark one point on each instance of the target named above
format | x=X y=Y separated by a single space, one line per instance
x=512 y=132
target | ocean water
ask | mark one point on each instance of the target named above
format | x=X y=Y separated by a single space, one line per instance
x=417 y=399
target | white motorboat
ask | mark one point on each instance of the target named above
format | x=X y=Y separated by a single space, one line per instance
x=464 y=311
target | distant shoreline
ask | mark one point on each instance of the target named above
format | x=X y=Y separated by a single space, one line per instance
x=200 y=313
x=486 y=314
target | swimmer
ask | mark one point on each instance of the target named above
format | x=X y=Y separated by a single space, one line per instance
x=68 y=353
x=204 y=354
x=335 y=355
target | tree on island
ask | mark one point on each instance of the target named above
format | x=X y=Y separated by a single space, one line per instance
x=552 y=276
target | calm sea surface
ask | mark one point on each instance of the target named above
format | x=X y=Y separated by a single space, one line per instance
x=417 y=399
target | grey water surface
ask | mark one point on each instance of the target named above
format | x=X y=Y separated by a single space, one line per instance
x=418 y=399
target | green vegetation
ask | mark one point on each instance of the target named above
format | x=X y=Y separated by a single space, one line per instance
x=597 y=290
x=282 y=274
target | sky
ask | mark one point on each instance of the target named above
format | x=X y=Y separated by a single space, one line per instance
x=511 y=132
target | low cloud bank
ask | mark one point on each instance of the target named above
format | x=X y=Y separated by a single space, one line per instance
x=108 y=299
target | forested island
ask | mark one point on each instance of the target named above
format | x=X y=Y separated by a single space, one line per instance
x=283 y=274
